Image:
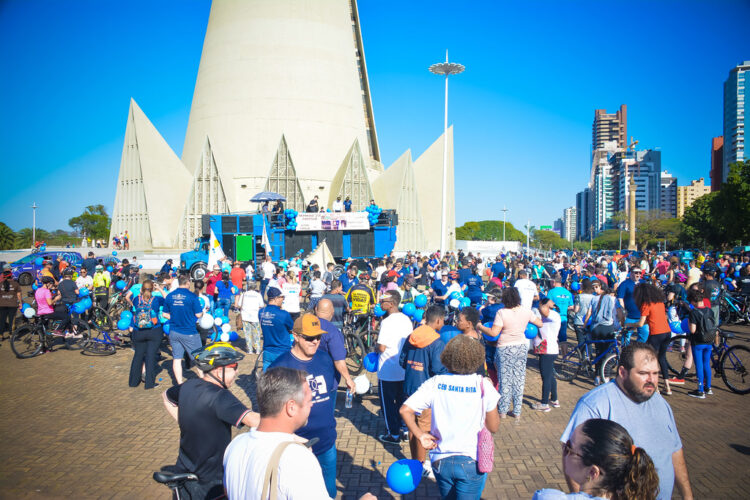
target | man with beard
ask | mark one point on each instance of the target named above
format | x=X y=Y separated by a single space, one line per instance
x=631 y=400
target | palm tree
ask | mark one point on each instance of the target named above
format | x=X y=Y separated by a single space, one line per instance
x=7 y=237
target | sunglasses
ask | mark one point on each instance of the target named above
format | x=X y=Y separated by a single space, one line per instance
x=568 y=450
x=310 y=338
x=233 y=366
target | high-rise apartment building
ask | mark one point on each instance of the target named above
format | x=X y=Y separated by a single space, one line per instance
x=610 y=127
x=734 y=116
x=668 y=204
x=584 y=213
x=645 y=167
x=686 y=195
x=603 y=194
x=570 y=223
x=717 y=162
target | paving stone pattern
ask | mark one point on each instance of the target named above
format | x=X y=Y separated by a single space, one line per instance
x=72 y=428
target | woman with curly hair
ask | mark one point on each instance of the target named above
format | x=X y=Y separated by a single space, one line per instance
x=462 y=402
x=602 y=458
x=650 y=300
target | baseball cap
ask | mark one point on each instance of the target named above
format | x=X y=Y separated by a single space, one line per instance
x=99 y=267
x=392 y=273
x=273 y=292
x=444 y=273
x=307 y=324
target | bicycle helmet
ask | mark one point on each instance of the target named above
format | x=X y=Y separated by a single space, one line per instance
x=47 y=279
x=364 y=276
x=453 y=275
x=216 y=355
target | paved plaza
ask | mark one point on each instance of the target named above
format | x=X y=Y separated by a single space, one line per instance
x=72 y=428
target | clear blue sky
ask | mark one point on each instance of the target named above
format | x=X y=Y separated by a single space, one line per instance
x=522 y=111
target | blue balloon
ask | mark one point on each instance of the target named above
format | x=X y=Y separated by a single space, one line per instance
x=34 y=286
x=447 y=332
x=126 y=314
x=675 y=327
x=24 y=306
x=418 y=315
x=109 y=269
x=123 y=324
x=736 y=274
x=371 y=362
x=404 y=475
x=575 y=286
x=233 y=336
x=722 y=275
x=378 y=311
x=120 y=285
x=39 y=261
x=465 y=302
x=409 y=309
x=83 y=292
x=531 y=331
x=420 y=300
x=454 y=295
x=489 y=337
x=166 y=327
x=224 y=320
x=685 y=325
x=114 y=252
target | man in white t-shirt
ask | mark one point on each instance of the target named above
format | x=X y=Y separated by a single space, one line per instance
x=526 y=289
x=285 y=401
x=249 y=303
x=269 y=271
x=84 y=280
x=338 y=205
x=394 y=330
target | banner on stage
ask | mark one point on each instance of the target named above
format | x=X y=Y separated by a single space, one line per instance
x=333 y=221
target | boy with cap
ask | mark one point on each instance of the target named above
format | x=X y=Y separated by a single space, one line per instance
x=321 y=424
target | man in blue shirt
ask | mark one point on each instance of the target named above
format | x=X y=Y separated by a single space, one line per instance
x=182 y=308
x=440 y=288
x=498 y=268
x=627 y=302
x=563 y=299
x=464 y=272
x=349 y=279
x=348 y=204
x=276 y=325
x=304 y=355
x=333 y=342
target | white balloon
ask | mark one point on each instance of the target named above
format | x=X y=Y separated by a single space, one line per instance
x=206 y=321
x=454 y=303
x=29 y=312
x=226 y=328
x=361 y=384
x=224 y=337
x=217 y=321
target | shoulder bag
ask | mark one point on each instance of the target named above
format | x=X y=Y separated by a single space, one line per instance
x=271 y=479
x=485 y=443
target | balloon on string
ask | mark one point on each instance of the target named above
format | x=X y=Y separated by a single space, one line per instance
x=418 y=315
x=34 y=287
x=123 y=324
x=114 y=252
x=370 y=362
x=378 y=311
x=685 y=326
x=24 y=306
x=723 y=275
x=233 y=336
x=29 y=312
x=224 y=319
x=575 y=286
x=454 y=295
x=83 y=292
x=531 y=331
x=404 y=475
x=206 y=321
x=218 y=321
x=454 y=303
x=465 y=302
x=120 y=285
x=361 y=384
x=166 y=327
x=109 y=269
x=224 y=337
x=39 y=261
x=491 y=338
x=126 y=314
x=420 y=300
x=226 y=328
x=736 y=274
x=409 y=309
x=676 y=327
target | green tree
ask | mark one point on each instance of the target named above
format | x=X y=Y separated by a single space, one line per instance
x=608 y=239
x=488 y=230
x=549 y=239
x=732 y=208
x=700 y=229
x=7 y=237
x=93 y=222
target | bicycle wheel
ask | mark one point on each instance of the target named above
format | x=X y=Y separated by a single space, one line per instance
x=568 y=363
x=100 y=319
x=355 y=354
x=114 y=312
x=735 y=364
x=83 y=332
x=608 y=368
x=26 y=341
x=99 y=344
x=676 y=353
x=257 y=367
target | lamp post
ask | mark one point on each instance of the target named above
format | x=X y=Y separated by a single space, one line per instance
x=34 y=206
x=445 y=68
x=505 y=213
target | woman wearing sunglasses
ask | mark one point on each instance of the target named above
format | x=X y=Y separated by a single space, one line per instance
x=601 y=457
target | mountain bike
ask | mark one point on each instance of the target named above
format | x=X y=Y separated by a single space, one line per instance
x=40 y=336
x=731 y=362
x=574 y=359
x=733 y=308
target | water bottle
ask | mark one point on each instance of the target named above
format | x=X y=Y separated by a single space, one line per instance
x=348 y=403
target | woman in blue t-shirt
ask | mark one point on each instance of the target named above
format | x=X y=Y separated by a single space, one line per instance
x=225 y=290
x=146 y=335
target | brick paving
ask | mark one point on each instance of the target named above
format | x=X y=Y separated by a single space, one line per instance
x=73 y=429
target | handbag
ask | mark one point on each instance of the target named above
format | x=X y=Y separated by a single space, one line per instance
x=541 y=348
x=485 y=443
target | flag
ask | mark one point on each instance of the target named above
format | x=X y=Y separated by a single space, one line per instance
x=264 y=240
x=215 y=252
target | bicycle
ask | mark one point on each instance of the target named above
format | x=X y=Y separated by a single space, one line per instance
x=36 y=337
x=733 y=308
x=175 y=481
x=574 y=359
x=731 y=362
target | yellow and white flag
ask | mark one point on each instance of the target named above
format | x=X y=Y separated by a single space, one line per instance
x=215 y=252
x=264 y=240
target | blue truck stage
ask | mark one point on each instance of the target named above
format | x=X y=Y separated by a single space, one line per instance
x=241 y=238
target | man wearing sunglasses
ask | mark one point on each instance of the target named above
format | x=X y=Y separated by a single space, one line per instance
x=627 y=302
x=321 y=424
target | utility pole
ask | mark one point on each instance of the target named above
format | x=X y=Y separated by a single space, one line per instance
x=632 y=188
x=591 y=237
x=34 y=206
x=505 y=213
x=528 y=232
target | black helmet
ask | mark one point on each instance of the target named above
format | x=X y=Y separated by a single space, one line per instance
x=216 y=355
x=47 y=279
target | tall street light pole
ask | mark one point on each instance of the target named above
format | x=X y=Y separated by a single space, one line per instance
x=505 y=213
x=34 y=206
x=446 y=68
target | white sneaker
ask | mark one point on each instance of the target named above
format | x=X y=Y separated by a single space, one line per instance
x=427 y=470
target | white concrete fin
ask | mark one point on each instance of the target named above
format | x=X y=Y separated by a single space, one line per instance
x=282 y=178
x=351 y=180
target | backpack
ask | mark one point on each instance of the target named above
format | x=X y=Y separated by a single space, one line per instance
x=259 y=274
x=705 y=328
x=142 y=317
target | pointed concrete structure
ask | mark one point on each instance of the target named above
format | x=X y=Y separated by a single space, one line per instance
x=152 y=182
x=352 y=180
x=397 y=188
x=428 y=170
x=207 y=196
x=283 y=179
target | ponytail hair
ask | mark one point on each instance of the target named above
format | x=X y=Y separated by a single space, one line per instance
x=628 y=471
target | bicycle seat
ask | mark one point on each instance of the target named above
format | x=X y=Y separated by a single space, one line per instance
x=165 y=477
x=726 y=335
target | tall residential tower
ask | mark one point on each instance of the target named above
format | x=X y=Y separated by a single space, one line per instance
x=734 y=116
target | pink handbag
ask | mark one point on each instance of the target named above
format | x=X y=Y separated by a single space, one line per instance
x=485 y=443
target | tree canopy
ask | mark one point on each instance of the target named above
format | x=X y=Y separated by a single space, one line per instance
x=489 y=230
x=93 y=222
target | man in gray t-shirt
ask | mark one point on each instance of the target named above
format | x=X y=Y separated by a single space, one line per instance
x=631 y=401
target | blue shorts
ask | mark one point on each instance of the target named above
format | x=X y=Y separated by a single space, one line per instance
x=181 y=343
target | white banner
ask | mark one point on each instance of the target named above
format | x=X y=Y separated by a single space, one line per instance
x=333 y=221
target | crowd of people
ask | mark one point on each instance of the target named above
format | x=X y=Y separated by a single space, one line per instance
x=445 y=376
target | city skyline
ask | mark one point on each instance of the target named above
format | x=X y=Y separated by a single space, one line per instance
x=525 y=112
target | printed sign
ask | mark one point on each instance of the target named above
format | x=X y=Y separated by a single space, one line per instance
x=333 y=221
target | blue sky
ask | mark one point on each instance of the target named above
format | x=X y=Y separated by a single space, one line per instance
x=522 y=111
